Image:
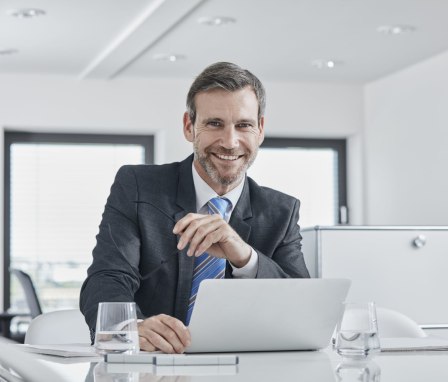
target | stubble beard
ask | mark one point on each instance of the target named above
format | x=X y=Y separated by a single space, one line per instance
x=204 y=159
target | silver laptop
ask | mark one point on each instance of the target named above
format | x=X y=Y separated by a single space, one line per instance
x=266 y=314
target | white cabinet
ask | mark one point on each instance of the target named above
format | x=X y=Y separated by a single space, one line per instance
x=401 y=268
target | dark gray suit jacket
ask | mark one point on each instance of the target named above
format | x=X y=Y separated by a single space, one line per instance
x=135 y=258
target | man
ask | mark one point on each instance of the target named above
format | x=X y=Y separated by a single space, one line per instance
x=157 y=231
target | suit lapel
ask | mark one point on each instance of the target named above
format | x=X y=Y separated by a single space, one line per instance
x=241 y=213
x=186 y=200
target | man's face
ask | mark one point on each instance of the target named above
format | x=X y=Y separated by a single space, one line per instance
x=225 y=136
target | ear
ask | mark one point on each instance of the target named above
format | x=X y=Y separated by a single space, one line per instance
x=261 y=131
x=188 y=128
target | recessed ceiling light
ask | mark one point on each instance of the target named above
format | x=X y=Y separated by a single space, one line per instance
x=26 y=13
x=171 y=57
x=216 y=20
x=395 y=29
x=6 y=52
x=325 y=64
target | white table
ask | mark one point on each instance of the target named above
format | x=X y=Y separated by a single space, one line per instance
x=273 y=367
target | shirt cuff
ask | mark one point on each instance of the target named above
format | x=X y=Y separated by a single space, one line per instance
x=249 y=271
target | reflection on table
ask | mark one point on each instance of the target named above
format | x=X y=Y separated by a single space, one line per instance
x=281 y=366
x=358 y=371
x=318 y=366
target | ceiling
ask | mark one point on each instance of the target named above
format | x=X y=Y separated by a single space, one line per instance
x=277 y=40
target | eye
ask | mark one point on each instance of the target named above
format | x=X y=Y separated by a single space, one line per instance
x=214 y=123
x=244 y=125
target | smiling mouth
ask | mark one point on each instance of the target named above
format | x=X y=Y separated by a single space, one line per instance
x=227 y=157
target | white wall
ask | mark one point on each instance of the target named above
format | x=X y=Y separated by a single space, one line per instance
x=135 y=106
x=52 y=104
x=406 y=146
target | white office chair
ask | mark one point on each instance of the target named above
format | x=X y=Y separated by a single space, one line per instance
x=395 y=324
x=58 y=327
x=390 y=323
x=18 y=366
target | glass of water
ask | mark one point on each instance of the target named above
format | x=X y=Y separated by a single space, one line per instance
x=116 y=328
x=357 y=332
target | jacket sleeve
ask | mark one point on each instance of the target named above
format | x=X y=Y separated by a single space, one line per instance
x=114 y=273
x=287 y=260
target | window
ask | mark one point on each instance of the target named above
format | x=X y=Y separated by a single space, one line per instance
x=312 y=170
x=56 y=186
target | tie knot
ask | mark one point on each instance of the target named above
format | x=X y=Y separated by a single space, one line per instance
x=218 y=206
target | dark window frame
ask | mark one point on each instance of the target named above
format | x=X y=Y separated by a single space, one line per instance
x=339 y=145
x=11 y=137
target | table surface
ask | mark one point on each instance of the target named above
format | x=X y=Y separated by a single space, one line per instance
x=318 y=366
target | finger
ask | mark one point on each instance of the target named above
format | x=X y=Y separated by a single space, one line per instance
x=161 y=334
x=191 y=223
x=149 y=329
x=209 y=222
x=145 y=344
x=201 y=233
x=212 y=238
x=179 y=328
x=184 y=222
x=143 y=336
x=160 y=343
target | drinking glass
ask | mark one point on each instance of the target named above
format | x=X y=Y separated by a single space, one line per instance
x=116 y=328
x=357 y=332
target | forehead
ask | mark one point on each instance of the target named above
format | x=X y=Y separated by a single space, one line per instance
x=219 y=101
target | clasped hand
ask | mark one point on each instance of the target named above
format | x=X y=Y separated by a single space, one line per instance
x=211 y=234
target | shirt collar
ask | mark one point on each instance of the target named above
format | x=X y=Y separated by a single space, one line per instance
x=204 y=192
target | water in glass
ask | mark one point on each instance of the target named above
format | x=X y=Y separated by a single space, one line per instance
x=116 y=341
x=353 y=343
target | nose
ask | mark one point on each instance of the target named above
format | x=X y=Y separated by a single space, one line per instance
x=230 y=138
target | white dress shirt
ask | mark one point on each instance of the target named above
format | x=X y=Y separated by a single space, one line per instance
x=203 y=194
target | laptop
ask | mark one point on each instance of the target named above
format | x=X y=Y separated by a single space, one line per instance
x=234 y=315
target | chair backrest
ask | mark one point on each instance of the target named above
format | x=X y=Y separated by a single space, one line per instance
x=30 y=292
x=58 y=327
x=391 y=324
x=395 y=324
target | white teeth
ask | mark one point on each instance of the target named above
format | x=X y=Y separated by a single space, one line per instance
x=227 y=157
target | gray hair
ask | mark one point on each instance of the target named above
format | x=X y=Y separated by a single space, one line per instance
x=227 y=76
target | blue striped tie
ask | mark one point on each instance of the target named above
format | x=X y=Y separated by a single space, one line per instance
x=206 y=266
